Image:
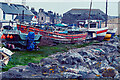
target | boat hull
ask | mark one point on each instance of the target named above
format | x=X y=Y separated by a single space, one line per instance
x=18 y=40
x=55 y=36
x=107 y=37
x=100 y=33
x=99 y=38
x=112 y=34
x=63 y=38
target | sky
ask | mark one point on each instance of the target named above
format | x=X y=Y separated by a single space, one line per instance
x=62 y=6
x=62 y=0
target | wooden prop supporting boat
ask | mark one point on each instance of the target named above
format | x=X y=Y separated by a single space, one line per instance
x=5 y=55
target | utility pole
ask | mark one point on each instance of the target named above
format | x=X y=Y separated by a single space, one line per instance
x=106 y=14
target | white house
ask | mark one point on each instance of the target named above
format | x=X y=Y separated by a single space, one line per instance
x=12 y=12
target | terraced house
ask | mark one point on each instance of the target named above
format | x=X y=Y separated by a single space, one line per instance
x=14 y=12
x=48 y=17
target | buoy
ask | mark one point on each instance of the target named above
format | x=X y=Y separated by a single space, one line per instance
x=8 y=36
x=4 y=37
x=11 y=37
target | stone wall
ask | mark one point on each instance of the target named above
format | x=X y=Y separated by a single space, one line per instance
x=112 y=23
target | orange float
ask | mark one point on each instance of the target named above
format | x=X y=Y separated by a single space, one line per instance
x=8 y=36
x=4 y=37
x=11 y=36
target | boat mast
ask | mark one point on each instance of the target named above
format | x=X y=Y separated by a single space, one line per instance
x=23 y=16
x=89 y=13
x=106 y=13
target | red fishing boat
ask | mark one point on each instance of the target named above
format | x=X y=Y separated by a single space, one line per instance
x=72 y=36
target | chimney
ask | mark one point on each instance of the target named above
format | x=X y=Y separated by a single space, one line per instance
x=54 y=14
x=41 y=10
x=32 y=9
x=57 y=14
x=50 y=12
x=27 y=7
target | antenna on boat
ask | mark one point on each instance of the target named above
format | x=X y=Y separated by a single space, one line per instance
x=89 y=12
x=106 y=14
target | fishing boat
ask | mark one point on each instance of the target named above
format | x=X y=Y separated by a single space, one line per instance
x=58 y=36
x=98 y=33
x=94 y=28
x=15 y=39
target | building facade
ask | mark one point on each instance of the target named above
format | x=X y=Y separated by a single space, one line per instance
x=74 y=15
x=48 y=17
x=112 y=24
x=43 y=17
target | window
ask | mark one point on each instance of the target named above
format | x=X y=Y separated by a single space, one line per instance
x=79 y=14
x=93 y=25
x=41 y=18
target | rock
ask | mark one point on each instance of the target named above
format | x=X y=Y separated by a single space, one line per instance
x=46 y=61
x=117 y=76
x=109 y=72
x=12 y=74
x=55 y=76
x=71 y=75
x=90 y=76
x=95 y=71
x=33 y=65
x=104 y=63
x=63 y=61
x=45 y=69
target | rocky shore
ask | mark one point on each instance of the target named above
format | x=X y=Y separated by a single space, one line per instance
x=100 y=60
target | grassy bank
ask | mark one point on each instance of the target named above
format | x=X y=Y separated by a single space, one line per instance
x=25 y=57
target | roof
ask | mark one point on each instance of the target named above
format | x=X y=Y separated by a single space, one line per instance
x=27 y=18
x=81 y=11
x=14 y=9
x=34 y=12
x=83 y=14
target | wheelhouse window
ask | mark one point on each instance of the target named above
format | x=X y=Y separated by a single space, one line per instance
x=92 y=25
